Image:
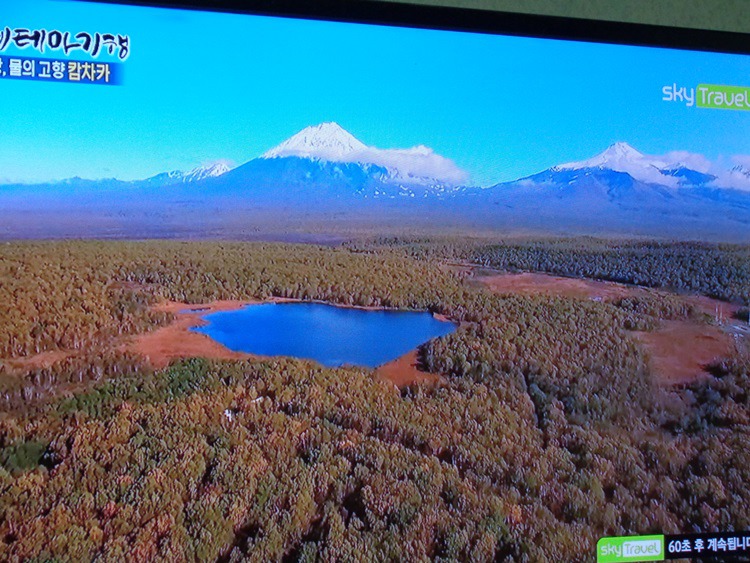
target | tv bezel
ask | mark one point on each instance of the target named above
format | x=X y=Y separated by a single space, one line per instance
x=400 y=14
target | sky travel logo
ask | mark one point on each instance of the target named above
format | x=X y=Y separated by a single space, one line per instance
x=723 y=97
x=635 y=548
x=709 y=96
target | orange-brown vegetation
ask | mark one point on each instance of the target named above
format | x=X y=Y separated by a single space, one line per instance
x=406 y=370
x=679 y=350
x=42 y=360
x=544 y=284
x=162 y=346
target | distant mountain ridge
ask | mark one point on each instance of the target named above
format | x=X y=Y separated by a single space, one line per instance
x=626 y=191
x=670 y=171
x=324 y=169
x=329 y=144
x=194 y=175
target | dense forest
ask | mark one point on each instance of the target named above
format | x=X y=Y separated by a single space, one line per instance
x=716 y=270
x=547 y=433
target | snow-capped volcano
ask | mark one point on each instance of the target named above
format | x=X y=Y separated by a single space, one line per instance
x=619 y=154
x=330 y=142
x=194 y=175
x=621 y=157
x=203 y=172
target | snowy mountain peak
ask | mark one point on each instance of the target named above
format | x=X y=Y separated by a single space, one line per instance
x=621 y=150
x=327 y=141
x=203 y=172
x=621 y=157
x=618 y=156
x=196 y=174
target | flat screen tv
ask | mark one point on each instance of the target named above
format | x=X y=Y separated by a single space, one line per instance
x=351 y=281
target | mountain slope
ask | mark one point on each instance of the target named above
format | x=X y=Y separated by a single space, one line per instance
x=326 y=161
x=621 y=157
x=622 y=190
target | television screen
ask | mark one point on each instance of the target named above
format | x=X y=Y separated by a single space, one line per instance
x=372 y=282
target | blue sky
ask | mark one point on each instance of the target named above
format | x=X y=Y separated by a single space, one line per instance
x=202 y=87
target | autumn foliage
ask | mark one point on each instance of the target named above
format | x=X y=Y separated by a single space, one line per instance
x=548 y=432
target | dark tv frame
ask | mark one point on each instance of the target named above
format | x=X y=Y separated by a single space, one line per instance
x=398 y=14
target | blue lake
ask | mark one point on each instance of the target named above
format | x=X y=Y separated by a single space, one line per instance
x=332 y=336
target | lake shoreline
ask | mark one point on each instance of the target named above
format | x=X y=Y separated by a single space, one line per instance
x=233 y=305
x=178 y=341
